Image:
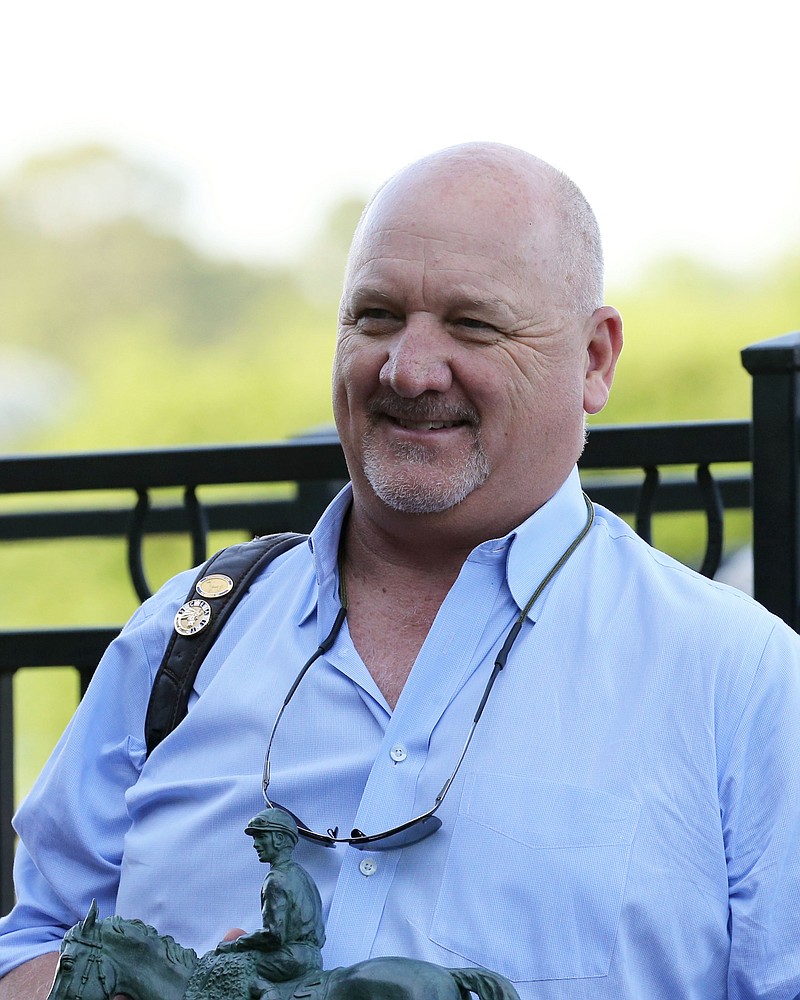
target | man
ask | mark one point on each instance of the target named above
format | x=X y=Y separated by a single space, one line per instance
x=288 y=943
x=625 y=819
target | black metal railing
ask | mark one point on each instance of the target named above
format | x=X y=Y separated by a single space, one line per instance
x=637 y=471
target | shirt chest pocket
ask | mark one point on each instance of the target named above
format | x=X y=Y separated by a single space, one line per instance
x=535 y=877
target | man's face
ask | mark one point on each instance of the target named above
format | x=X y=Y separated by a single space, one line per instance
x=459 y=371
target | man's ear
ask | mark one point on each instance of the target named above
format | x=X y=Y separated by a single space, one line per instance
x=604 y=343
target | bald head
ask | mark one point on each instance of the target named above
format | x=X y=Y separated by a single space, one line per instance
x=544 y=212
x=472 y=338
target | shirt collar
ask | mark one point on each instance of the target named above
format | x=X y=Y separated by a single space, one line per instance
x=324 y=544
x=540 y=541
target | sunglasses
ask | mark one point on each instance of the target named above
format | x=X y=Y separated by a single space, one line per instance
x=427 y=823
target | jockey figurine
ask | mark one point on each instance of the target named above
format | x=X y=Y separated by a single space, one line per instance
x=288 y=945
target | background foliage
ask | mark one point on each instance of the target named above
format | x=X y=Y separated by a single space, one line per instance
x=117 y=333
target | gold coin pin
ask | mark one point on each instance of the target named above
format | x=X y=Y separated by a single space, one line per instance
x=192 y=617
x=216 y=585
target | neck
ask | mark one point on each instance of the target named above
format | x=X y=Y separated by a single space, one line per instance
x=402 y=552
x=432 y=545
x=446 y=538
x=395 y=588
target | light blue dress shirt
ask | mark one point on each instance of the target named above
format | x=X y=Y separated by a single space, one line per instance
x=626 y=822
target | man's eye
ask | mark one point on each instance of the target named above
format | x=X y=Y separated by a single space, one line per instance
x=475 y=327
x=377 y=314
x=377 y=320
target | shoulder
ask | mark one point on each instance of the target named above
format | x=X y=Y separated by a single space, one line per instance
x=640 y=599
x=156 y=616
x=662 y=579
x=666 y=632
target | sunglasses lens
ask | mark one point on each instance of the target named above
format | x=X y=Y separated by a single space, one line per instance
x=403 y=836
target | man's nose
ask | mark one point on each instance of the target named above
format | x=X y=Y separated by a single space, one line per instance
x=419 y=359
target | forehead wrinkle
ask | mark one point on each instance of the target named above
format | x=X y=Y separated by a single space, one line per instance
x=369 y=293
x=460 y=243
x=376 y=242
x=477 y=289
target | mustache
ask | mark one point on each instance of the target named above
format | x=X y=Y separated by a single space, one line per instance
x=424 y=407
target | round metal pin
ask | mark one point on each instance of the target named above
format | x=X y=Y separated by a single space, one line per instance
x=215 y=585
x=192 y=617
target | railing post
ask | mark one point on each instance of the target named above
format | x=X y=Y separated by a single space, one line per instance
x=775 y=368
x=6 y=791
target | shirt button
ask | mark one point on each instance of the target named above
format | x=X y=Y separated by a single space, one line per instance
x=398 y=753
x=368 y=867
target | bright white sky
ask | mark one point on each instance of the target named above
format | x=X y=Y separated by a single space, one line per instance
x=679 y=120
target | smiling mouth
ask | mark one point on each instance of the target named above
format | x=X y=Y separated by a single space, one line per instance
x=427 y=413
x=426 y=425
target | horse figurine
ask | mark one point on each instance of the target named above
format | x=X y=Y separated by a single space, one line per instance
x=280 y=961
x=102 y=958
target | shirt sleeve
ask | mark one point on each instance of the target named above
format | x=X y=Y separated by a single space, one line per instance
x=760 y=811
x=72 y=825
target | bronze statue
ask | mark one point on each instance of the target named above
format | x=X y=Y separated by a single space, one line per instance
x=288 y=945
x=279 y=961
